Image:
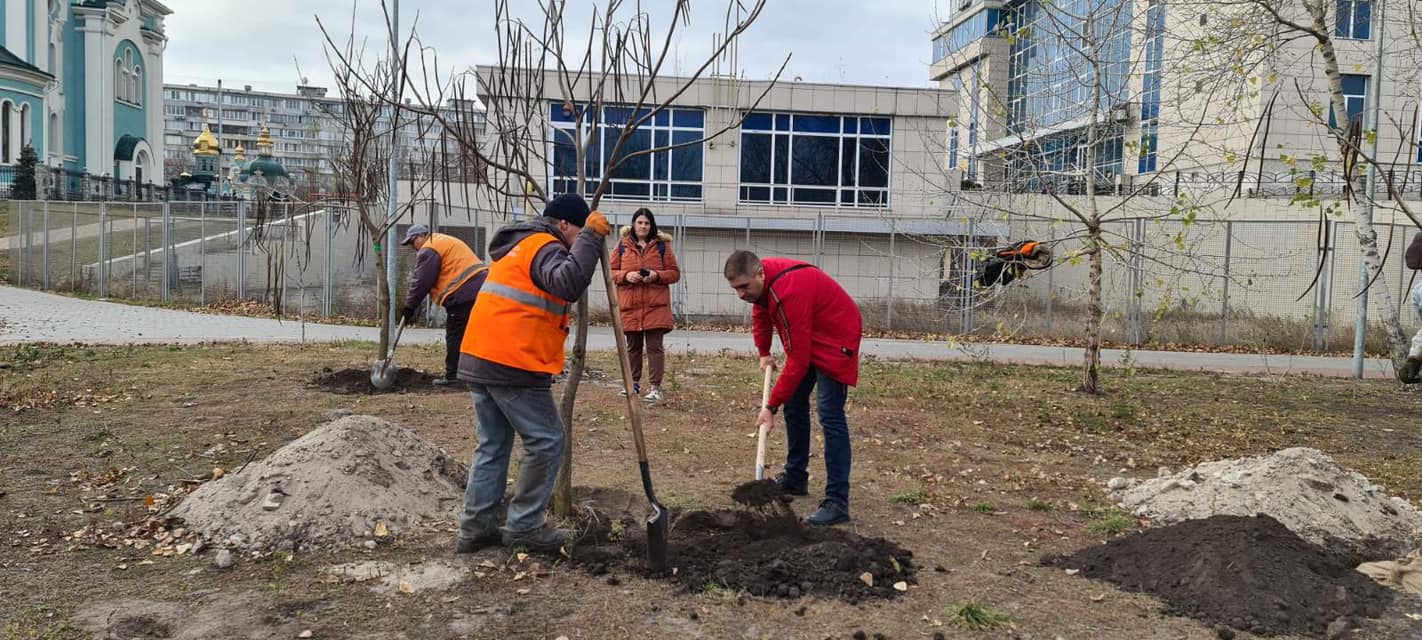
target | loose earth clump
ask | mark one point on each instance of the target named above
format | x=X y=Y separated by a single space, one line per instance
x=357 y=382
x=1248 y=573
x=759 y=493
x=770 y=556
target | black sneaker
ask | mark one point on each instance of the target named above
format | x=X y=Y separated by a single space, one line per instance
x=829 y=513
x=801 y=488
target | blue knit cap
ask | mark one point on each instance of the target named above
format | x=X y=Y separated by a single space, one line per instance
x=569 y=207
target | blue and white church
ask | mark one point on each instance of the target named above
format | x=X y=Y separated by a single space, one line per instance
x=81 y=81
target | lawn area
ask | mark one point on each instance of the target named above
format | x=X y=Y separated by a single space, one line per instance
x=978 y=469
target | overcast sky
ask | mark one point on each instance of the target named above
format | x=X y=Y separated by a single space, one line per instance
x=262 y=42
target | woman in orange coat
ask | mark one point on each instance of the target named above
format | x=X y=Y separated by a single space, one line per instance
x=644 y=268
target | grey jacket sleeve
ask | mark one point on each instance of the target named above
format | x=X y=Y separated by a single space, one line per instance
x=566 y=273
x=423 y=278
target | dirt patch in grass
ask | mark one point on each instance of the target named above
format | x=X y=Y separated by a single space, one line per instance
x=357 y=382
x=1247 y=573
x=770 y=556
x=132 y=422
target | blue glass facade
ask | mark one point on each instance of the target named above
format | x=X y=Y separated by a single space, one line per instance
x=1150 y=87
x=1054 y=85
x=985 y=23
x=673 y=175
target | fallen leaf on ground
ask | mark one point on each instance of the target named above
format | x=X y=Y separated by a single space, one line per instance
x=381 y=530
x=406 y=587
x=867 y=578
x=901 y=586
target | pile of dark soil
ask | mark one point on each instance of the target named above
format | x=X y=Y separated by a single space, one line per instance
x=1249 y=573
x=357 y=381
x=759 y=493
x=763 y=555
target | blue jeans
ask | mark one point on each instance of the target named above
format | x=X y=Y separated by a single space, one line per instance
x=501 y=412
x=830 y=405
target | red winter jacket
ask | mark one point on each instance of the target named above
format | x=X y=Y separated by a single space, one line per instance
x=818 y=323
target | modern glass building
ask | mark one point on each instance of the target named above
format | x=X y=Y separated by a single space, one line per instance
x=1057 y=90
x=1042 y=82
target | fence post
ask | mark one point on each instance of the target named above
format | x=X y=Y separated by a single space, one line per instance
x=170 y=269
x=103 y=249
x=326 y=283
x=1319 y=314
x=1224 y=299
x=22 y=216
x=44 y=252
x=889 y=316
x=1051 y=288
x=73 y=232
x=147 y=247
x=202 y=253
x=1133 y=295
x=241 y=249
x=965 y=315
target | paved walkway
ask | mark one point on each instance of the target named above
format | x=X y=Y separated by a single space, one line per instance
x=64 y=234
x=32 y=316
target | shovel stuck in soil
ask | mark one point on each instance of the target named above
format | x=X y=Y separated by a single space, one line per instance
x=761 y=493
x=659 y=523
x=382 y=375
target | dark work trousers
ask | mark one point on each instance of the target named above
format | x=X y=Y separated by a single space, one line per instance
x=456 y=319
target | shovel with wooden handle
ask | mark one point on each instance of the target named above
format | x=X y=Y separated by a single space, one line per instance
x=381 y=376
x=659 y=523
x=763 y=429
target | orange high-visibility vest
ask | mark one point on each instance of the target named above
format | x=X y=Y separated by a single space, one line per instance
x=457 y=265
x=514 y=323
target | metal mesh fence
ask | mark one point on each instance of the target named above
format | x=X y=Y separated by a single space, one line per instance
x=1285 y=284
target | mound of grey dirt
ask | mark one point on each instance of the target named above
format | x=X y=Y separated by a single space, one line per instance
x=1302 y=488
x=347 y=481
x=1248 y=573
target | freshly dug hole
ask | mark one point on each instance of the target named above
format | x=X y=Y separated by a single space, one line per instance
x=357 y=381
x=766 y=556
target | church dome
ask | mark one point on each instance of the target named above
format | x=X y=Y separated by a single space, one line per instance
x=206 y=143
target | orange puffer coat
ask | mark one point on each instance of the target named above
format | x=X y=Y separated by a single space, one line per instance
x=645 y=306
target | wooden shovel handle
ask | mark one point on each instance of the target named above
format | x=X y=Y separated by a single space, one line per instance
x=763 y=429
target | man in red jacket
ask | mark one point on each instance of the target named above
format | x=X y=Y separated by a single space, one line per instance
x=820 y=329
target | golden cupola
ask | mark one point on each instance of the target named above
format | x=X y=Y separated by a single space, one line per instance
x=264 y=143
x=206 y=143
x=239 y=154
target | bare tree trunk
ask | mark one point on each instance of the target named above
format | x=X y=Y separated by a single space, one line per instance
x=382 y=298
x=563 y=488
x=1091 y=359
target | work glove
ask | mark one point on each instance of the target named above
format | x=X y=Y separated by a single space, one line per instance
x=599 y=224
x=409 y=315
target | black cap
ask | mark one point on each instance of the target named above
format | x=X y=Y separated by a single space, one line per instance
x=570 y=207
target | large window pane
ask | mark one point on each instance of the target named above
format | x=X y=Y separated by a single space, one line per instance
x=686 y=161
x=817 y=124
x=631 y=168
x=755 y=158
x=782 y=159
x=813 y=196
x=815 y=161
x=873 y=162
